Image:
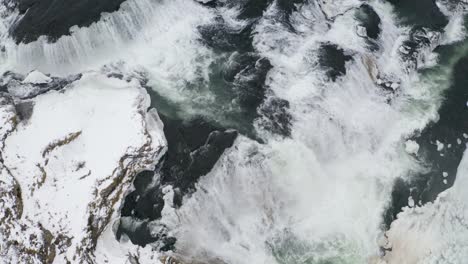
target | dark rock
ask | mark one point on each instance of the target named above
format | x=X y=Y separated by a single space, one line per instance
x=54 y=18
x=369 y=19
x=276 y=117
x=333 y=59
x=249 y=84
x=194 y=147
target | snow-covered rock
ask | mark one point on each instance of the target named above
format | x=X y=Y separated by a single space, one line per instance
x=435 y=232
x=65 y=170
x=37 y=77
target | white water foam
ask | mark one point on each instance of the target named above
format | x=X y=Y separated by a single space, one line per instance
x=318 y=196
x=138 y=31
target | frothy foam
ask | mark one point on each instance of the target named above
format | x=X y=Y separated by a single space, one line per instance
x=320 y=195
x=314 y=197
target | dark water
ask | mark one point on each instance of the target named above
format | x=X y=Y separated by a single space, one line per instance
x=448 y=129
x=420 y=13
x=196 y=143
x=238 y=58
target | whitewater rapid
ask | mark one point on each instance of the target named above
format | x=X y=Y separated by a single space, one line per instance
x=316 y=194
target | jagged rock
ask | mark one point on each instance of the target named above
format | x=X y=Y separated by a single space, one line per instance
x=275 y=116
x=369 y=25
x=193 y=149
x=420 y=41
x=333 y=59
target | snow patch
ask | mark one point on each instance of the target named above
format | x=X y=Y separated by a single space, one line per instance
x=37 y=77
x=75 y=158
x=436 y=232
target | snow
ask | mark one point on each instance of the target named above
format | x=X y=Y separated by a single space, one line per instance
x=436 y=232
x=37 y=77
x=77 y=144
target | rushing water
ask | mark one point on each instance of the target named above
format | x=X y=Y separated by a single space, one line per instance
x=324 y=98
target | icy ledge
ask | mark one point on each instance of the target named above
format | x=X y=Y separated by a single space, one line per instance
x=65 y=167
x=434 y=233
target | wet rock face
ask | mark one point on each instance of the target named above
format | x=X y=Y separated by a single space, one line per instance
x=370 y=20
x=333 y=59
x=54 y=18
x=193 y=149
x=277 y=118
